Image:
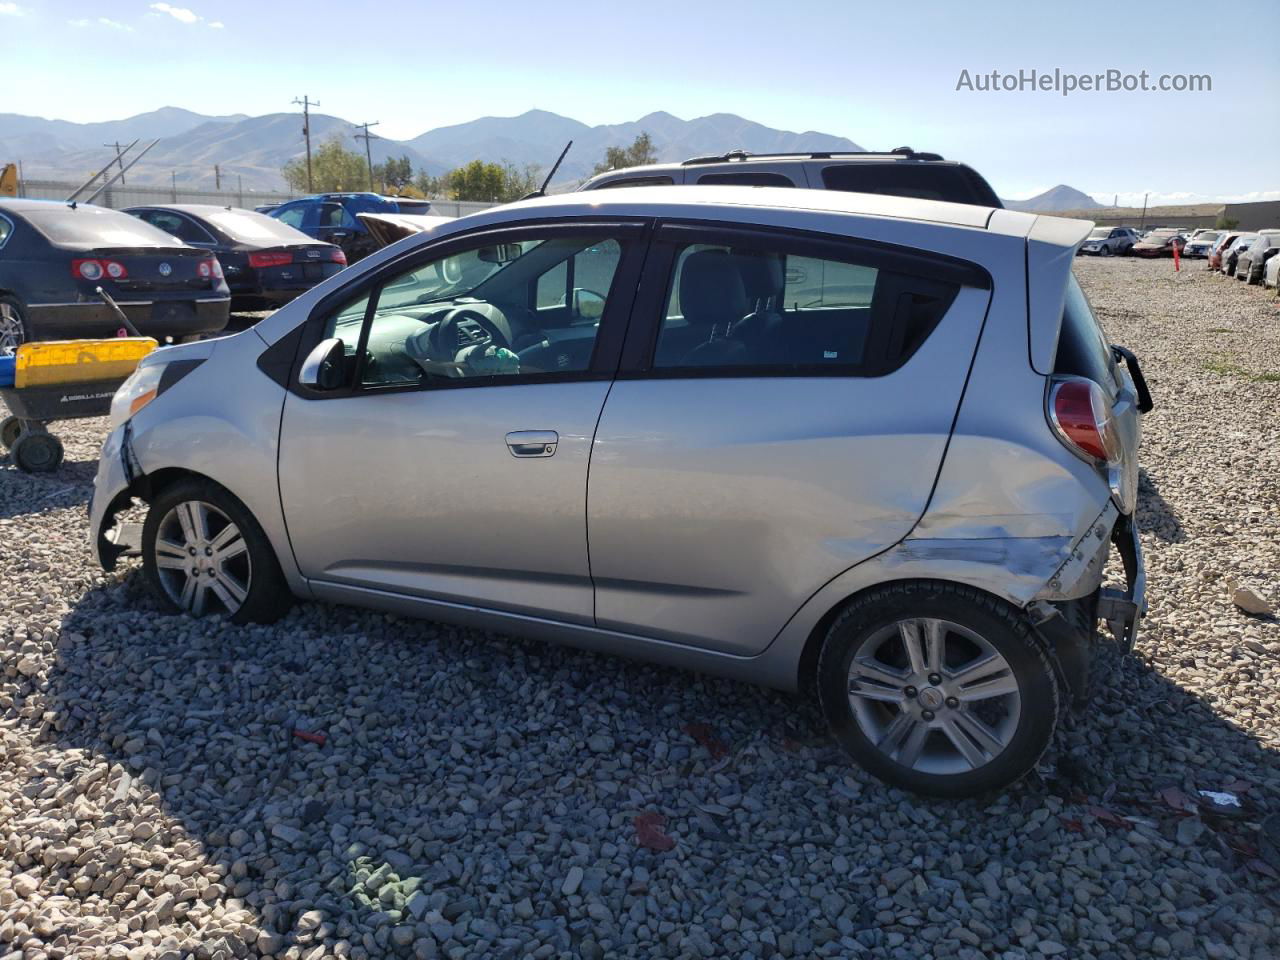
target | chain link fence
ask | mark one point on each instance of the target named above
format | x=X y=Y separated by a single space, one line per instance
x=118 y=197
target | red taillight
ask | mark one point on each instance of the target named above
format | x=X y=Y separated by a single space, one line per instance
x=87 y=269
x=1081 y=416
x=337 y=256
x=204 y=269
x=97 y=269
x=270 y=258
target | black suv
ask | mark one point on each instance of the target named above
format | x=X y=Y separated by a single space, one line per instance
x=900 y=173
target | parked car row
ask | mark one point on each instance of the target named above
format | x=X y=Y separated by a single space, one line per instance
x=1248 y=255
x=176 y=270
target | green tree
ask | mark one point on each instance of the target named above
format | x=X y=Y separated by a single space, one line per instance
x=1227 y=223
x=333 y=168
x=640 y=152
x=489 y=182
x=395 y=173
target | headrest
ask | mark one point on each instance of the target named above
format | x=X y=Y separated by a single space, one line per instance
x=711 y=290
x=761 y=274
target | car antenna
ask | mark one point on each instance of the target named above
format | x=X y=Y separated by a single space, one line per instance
x=542 y=190
x=85 y=186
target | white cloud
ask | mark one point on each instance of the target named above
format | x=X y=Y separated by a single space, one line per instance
x=102 y=22
x=178 y=13
x=216 y=24
x=10 y=10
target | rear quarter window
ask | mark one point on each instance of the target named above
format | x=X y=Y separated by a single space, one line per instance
x=1082 y=346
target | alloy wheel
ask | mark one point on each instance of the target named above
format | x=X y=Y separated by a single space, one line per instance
x=202 y=559
x=934 y=696
x=11 y=335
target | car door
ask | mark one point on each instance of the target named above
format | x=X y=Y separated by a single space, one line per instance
x=780 y=415
x=451 y=462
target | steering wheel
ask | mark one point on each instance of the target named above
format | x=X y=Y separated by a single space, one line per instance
x=444 y=339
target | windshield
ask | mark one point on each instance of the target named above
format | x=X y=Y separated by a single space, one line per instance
x=92 y=227
x=251 y=227
x=452 y=277
x=1099 y=233
x=1207 y=238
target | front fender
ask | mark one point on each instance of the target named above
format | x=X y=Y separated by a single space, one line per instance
x=220 y=422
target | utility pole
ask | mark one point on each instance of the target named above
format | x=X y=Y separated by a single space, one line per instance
x=368 y=153
x=1144 y=211
x=307 y=104
x=173 y=191
x=217 y=178
x=119 y=159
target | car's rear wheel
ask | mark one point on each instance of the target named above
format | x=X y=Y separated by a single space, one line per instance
x=13 y=326
x=937 y=688
x=204 y=554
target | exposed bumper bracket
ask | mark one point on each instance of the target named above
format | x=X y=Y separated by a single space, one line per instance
x=1123 y=609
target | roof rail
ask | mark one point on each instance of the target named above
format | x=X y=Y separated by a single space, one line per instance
x=733 y=155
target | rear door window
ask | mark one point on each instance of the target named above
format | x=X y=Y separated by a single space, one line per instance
x=773 y=307
x=747 y=178
x=923 y=180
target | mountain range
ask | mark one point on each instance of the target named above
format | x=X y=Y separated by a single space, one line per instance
x=255 y=148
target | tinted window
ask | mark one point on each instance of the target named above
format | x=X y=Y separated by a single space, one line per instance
x=637 y=182
x=292 y=216
x=95 y=227
x=177 y=225
x=1082 y=346
x=757 y=178
x=925 y=181
x=484 y=314
x=785 y=311
x=335 y=215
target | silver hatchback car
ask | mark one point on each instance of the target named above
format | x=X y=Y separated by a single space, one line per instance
x=871 y=447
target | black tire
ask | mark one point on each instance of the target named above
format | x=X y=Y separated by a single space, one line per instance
x=10 y=428
x=1105 y=251
x=998 y=624
x=267 y=598
x=37 y=452
x=15 y=329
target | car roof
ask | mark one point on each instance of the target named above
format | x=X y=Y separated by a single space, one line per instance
x=193 y=208
x=697 y=200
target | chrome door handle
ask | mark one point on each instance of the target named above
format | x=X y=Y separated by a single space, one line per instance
x=532 y=443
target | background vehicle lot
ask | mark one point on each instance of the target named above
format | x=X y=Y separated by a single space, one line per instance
x=504 y=776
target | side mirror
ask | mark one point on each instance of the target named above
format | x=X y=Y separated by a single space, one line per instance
x=324 y=368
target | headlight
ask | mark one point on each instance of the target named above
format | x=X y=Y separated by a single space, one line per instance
x=145 y=384
x=136 y=392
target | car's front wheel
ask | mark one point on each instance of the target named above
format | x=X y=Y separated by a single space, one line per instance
x=937 y=688
x=204 y=553
x=1106 y=251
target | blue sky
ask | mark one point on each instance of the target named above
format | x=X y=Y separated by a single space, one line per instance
x=881 y=73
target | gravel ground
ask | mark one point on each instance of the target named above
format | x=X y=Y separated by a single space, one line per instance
x=479 y=796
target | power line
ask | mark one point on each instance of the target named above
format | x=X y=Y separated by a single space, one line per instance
x=307 y=104
x=368 y=153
